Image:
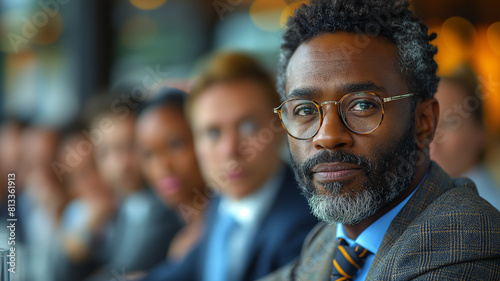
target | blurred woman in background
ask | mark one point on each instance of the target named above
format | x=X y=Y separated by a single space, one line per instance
x=461 y=137
x=169 y=163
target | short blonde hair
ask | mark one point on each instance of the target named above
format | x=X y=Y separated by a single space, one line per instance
x=230 y=67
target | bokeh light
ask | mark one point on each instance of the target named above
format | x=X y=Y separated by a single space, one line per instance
x=49 y=32
x=25 y=28
x=457 y=42
x=459 y=36
x=493 y=35
x=147 y=4
x=488 y=68
x=266 y=14
x=460 y=43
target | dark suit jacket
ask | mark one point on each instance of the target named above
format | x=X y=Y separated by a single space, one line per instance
x=143 y=224
x=444 y=232
x=277 y=242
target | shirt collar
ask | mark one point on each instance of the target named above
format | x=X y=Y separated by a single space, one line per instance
x=251 y=209
x=372 y=236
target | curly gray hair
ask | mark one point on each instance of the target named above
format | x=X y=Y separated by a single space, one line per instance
x=391 y=19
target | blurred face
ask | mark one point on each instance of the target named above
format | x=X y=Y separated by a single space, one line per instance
x=348 y=177
x=9 y=147
x=38 y=153
x=83 y=180
x=10 y=152
x=237 y=137
x=116 y=158
x=167 y=155
x=459 y=138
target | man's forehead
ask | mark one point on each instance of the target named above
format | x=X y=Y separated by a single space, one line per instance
x=334 y=59
x=314 y=51
x=229 y=103
x=342 y=46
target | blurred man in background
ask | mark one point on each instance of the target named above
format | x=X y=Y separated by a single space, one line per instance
x=10 y=160
x=87 y=217
x=43 y=201
x=11 y=132
x=258 y=219
x=460 y=143
x=10 y=147
x=143 y=227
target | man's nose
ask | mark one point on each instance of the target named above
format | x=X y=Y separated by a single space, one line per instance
x=229 y=144
x=333 y=133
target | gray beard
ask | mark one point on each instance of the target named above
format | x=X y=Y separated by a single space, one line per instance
x=344 y=209
x=384 y=182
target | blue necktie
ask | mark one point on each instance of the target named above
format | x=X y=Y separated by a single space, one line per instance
x=218 y=249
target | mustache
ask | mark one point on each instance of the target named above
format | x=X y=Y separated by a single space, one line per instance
x=305 y=169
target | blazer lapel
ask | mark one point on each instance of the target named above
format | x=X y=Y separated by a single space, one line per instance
x=317 y=257
x=434 y=185
x=267 y=223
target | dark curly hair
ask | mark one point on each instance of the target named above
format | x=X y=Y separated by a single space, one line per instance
x=391 y=19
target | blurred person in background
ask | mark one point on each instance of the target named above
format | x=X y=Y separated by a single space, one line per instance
x=44 y=199
x=258 y=219
x=168 y=161
x=143 y=227
x=10 y=154
x=87 y=217
x=10 y=163
x=460 y=143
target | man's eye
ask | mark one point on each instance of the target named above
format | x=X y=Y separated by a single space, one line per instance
x=450 y=123
x=213 y=133
x=102 y=151
x=146 y=155
x=305 y=110
x=248 y=127
x=363 y=105
x=176 y=144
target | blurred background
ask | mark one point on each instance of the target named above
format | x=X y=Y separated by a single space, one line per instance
x=57 y=54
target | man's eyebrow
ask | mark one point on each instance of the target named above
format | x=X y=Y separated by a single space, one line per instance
x=312 y=92
x=363 y=86
x=308 y=92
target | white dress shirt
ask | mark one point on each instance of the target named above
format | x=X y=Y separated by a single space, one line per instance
x=249 y=213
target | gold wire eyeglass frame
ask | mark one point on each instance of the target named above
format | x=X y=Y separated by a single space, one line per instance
x=277 y=110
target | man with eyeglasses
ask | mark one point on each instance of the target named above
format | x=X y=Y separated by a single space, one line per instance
x=358 y=79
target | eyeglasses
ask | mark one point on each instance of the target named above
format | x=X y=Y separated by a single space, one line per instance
x=361 y=112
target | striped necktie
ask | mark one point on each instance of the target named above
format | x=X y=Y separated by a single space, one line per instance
x=347 y=261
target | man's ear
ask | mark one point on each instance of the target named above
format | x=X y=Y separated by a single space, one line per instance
x=426 y=120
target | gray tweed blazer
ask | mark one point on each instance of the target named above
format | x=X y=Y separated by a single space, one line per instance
x=444 y=232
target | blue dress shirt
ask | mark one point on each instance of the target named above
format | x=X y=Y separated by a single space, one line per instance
x=372 y=236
